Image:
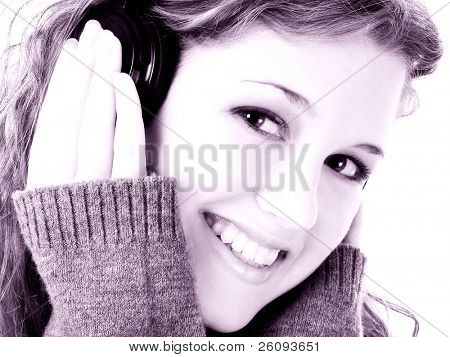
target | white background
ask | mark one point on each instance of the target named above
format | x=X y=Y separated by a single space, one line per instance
x=407 y=230
x=407 y=224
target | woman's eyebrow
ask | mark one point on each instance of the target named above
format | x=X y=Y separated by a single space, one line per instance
x=371 y=149
x=304 y=103
x=293 y=97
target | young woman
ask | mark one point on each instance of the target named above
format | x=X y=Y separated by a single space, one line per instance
x=91 y=246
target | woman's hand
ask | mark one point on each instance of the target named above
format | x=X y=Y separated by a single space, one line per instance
x=353 y=236
x=90 y=125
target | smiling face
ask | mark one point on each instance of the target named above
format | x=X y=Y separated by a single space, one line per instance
x=247 y=92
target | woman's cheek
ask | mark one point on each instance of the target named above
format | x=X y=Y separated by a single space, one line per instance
x=338 y=203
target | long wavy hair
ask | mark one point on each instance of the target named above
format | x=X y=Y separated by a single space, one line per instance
x=401 y=26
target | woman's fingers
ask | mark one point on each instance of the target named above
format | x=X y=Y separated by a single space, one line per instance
x=54 y=151
x=85 y=63
x=95 y=142
x=51 y=160
x=76 y=137
x=80 y=81
x=129 y=139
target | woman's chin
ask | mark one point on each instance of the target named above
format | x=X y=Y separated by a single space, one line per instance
x=225 y=320
x=227 y=325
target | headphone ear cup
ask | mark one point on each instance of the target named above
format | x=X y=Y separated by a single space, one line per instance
x=150 y=51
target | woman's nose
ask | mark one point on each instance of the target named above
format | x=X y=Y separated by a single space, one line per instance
x=294 y=202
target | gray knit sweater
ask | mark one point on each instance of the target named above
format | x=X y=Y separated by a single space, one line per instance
x=113 y=259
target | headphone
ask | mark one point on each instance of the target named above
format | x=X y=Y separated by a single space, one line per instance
x=150 y=50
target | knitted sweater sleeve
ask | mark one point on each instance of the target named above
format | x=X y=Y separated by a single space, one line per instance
x=112 y=256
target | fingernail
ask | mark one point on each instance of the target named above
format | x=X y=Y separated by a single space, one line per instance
x=108 y=51
x=94 y=24
x=71 y=42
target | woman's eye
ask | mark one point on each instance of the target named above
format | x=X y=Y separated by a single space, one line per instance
x=263 y=121
x=349 y=166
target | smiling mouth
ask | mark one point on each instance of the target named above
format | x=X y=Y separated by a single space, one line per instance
x=242 y=246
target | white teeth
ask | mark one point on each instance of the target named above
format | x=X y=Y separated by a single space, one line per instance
x=271 y=258
x=251 y=252
x=229 y=233
x=250 y=249
x=239 y=242
x=218 y=227
x=262 y=254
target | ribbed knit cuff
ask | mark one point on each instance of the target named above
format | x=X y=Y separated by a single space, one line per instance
x=100 y=212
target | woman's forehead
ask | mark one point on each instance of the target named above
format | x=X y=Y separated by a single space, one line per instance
x=351 y=77
x=263 y=54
